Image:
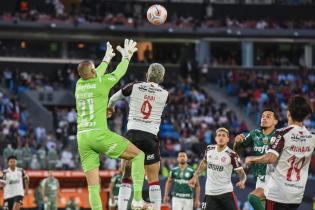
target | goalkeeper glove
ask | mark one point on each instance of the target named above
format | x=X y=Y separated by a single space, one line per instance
x=109 y=53
x=129 y=49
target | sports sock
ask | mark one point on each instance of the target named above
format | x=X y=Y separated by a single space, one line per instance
x=95 y=198
x=155 y=194
x=124 y=194
x=137 y=174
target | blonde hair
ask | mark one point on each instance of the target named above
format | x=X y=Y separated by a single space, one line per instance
x=156 y=73
x=223 y=130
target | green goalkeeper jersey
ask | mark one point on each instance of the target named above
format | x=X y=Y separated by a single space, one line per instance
x=260 y=144
x=180 y=178
x=92 y=97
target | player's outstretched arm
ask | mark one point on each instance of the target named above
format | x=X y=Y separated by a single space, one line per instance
x=100 y=70
x=267 y=158
x=116 y=97
x=126 y=52
x=242 y=176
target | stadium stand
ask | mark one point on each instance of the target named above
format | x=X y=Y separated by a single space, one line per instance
x=257 y=60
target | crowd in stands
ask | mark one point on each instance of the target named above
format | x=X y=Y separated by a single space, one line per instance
x=188 y=123
x=132 y=15
x=255 y=90
x=190 y=129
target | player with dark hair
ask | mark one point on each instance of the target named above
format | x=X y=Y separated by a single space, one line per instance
x=290 y=154
x=259 y=140
x=220 y=162
x=182 y=194
x=15 y=183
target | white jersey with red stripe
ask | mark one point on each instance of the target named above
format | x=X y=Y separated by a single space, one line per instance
x=14 y=182
x=294 y=146
x=147 y=102
x=220 y=166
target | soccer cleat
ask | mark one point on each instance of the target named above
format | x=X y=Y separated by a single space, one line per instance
x=141 y=205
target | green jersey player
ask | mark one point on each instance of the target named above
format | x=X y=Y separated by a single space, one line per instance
x=114 y=190
x=94 y=137
x=182 y=195
x=50 y=189
x=259 y=140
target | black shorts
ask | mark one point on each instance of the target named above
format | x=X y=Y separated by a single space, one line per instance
x=226 y=201
x=272 y=205
x=9 y=203
x=148 y=143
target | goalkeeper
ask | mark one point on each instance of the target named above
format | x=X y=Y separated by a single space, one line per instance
x=94 y=137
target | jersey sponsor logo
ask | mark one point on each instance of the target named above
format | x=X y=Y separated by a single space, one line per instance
x=215 y=167
x=87 y=86
x=181 y=181
x=183 y=195
x=203 y=205
x=262 y=149
x=299 y=137
x=14 y=181
x=150 y=157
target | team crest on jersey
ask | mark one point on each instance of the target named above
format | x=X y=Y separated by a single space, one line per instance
x=223 y=159
x=187 y=174
x=265 y=140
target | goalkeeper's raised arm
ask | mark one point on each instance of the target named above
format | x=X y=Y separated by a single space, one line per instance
x=126 y=52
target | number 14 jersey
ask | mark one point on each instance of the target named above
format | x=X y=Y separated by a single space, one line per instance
x=286 y=183
x=147 y=102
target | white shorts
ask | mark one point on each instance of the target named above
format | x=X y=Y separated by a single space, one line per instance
x=182 y=203
x=261 y=184
x=111 y=204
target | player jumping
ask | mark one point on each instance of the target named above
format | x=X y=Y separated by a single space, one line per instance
x=290 y=153
x=220 y=161
x=94 y=137
x=182 y=193
x=147 y=102
x=259 y=140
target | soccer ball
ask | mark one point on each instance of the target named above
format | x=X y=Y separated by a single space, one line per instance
x=157 y=14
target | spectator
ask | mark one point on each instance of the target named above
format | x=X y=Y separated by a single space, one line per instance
x=52 y=158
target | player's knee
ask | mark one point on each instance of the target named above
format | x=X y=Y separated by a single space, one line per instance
x=140 y=155
x=153 y=177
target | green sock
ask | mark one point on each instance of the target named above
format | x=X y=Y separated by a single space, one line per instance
x=256 y=202
x=137 y=174
x=95 y=198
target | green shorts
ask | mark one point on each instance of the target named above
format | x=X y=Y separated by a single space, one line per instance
x=93 y=143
